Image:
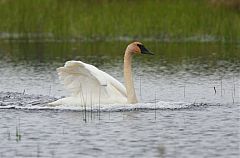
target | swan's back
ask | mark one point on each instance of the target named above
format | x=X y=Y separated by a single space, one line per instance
x=89 y=85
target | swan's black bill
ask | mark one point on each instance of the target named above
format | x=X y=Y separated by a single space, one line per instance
x=144 y=50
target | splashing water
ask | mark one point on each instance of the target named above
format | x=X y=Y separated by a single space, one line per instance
x=13 y=100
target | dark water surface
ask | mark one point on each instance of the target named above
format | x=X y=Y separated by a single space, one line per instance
x=197 y=89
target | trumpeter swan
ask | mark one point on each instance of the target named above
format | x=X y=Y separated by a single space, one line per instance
x=88 y=85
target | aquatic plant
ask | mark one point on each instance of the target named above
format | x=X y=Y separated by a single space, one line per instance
x=177 y=20
x=18 y=132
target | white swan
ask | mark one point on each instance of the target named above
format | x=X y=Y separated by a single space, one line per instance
x=89 y=85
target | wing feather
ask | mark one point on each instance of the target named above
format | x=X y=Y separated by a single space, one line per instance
x=80 y=78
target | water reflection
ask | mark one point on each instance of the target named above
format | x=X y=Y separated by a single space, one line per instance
x=209 y=55
x=177 y=72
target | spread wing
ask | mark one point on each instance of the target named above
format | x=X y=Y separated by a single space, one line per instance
x=84 y=80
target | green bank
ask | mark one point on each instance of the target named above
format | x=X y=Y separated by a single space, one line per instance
x=102 y=20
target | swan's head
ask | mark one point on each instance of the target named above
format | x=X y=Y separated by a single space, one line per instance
x=138 y=48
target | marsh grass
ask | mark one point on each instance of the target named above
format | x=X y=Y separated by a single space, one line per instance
x=104 y=20
x=18 y=132
x=155 y=104
x=8 y=134
x=231 y=4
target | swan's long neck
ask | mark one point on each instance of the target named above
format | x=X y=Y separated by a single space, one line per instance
x=131 y=96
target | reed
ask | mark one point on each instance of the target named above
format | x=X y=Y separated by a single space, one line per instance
x=18 y=132
x=50 y=89
x=215 y=91
x=182 y=20
x=155 y=103
x=234 y=86
x=140 y=87
x=38 y=151
x=99 y=103
x=221 y=84
x=8 y=134
x=184 y=91
x=233 y=101
x=91 y=108
x=85 y=113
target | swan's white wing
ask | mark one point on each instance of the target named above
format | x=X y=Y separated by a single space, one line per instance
x=90 y=83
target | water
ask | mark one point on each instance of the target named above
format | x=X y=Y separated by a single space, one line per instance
x=195 y=112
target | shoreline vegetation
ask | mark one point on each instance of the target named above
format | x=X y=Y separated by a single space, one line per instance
x=112 y=20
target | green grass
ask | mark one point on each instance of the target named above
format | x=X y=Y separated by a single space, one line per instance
x=166 y=20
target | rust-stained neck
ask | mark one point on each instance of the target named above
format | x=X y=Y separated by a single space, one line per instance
x=131 y=95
